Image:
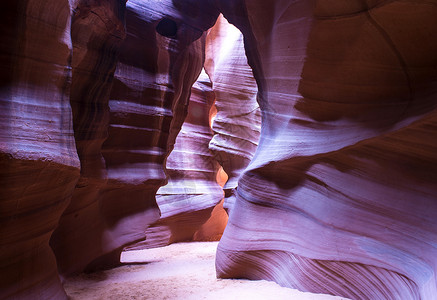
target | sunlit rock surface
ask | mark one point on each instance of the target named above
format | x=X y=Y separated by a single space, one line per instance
x=39 y=166
x=341 y=195
x=237 y=123
x=192 y=192
x=126 y=122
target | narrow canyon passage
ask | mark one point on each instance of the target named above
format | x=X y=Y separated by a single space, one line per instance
x=179 y=271
x=300 y=134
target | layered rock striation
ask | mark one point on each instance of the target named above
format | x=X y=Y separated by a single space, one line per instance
x=237 y=123
x=96 y=92
x=192 y=191
x=39 y=166
x=132 y=89
x=97 y=33
x=340 y=197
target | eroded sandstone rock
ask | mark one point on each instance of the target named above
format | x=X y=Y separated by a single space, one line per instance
x=237 y=123
x=341 y=196
x=39 y=166
x=120 y=171
x=126 y=126
x=192 y=191
x=97 y=32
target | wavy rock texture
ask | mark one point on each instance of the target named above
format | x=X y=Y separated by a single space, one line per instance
x=39 y=166
x=341 y=195
x=158 y=61
x=237 y=124
x=97 y=32
x=192 y=191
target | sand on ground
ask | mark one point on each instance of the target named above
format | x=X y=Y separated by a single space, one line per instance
x=179 y=271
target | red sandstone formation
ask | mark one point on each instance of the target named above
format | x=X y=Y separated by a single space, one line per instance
x=121 y=170
x=122 y=155
x=341 y=196
x=97 y=31
x=192 y=191
x=39 y=166
x=237 y=123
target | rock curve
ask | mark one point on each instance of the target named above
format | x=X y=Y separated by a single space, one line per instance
x=97 y=32
x=237 y=123
x=39 y=166
x=187 y=200
x=340 y=197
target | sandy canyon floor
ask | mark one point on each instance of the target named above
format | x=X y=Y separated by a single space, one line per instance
x=179 y=271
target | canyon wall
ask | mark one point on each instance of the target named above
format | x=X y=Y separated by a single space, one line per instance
x=340 y=197
x=237 y=123
x=93 y=93
x=131 y=91
x=192 y=191
x=39 y=166
x=97 y=33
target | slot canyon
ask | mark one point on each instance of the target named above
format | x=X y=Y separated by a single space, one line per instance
x=295 y=139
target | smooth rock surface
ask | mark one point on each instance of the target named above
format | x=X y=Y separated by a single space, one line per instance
x=39 y=166
x=97 y=32
x=192 y=191
x=237 y=123
x=124 y=131
x=126 y=122
x=341 y=195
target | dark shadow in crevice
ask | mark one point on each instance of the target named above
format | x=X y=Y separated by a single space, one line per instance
x=168 y=28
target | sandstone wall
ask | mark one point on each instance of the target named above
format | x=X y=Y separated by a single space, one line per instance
x=341 y=195
x=130 y=97
x=237 y=123
x=192 y=191
x=95 y=92
x=97 y=32
x=39 y=166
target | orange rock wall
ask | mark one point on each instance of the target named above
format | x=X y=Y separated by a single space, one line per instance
x=340 y=196
x=237 y=123
x=188 y=199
